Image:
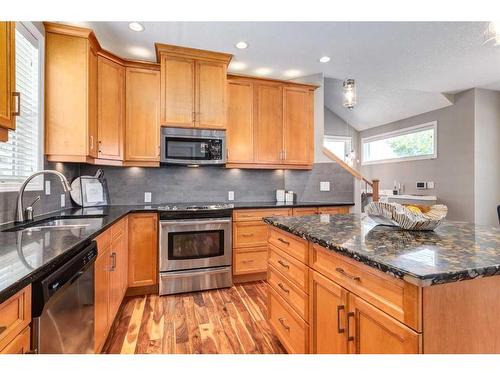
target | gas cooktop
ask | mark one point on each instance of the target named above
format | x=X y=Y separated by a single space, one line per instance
x=196 y=206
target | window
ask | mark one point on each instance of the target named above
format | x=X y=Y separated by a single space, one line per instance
x=340 y=146
x=21 y=155
x=414 y=143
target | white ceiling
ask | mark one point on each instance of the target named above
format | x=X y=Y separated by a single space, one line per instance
x=401 y=67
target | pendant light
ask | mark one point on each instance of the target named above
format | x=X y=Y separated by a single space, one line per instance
x=492 y=34
x=349 y=93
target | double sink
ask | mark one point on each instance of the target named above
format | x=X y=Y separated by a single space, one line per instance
x=54 y=223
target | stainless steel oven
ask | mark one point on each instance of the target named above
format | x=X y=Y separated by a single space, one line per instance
x=195 y=249
x=193 y=146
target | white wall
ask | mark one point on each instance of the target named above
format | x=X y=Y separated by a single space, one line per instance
x=486 y=156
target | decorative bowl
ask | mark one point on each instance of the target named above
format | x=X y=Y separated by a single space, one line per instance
x=395 y=214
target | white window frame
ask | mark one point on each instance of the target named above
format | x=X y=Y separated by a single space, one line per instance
x=346 y=139
x=412 y=129
x=31 y=32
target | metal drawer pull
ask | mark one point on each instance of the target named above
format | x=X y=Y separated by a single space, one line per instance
x=283 y=288
x=283 y=241
x=349 y=337
x=247 y=235
x=248 y=261
x=282 y=321
x=113 y=259
x=17 y=95
x=339 y=309
x=283 y=264
x=341 y=271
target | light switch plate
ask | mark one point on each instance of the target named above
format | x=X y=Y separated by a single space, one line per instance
x=47 y=187
x=324 y=186
x=63 y=200
x=230 y=195
x=147 y=197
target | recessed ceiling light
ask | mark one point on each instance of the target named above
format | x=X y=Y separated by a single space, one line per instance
x=324 y=59
x=292 y=73
x=241 y=45
x=237 y=65
x=263 y=71
x=136 y=26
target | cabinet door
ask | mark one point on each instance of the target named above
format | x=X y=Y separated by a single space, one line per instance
x=20 y=345
x=240 y=122
x=7 y=77
x=371 y=331
x=102 y=298
x=177 y=91
x=327 y=316
x=143 y=250
x=110 y=109
x=268 y=124
x=92 y=103
x=210 y=95
x=142 y=130
x=118 y=260
x=297 y=125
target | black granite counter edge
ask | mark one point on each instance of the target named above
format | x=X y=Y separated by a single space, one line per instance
x=256 y=205
x=427 y=280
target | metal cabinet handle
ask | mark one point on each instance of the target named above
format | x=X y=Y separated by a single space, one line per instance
x=349 y=315
x=247 y=235
x=113 y=261
x=17 y=95
x=342 y=272
x=282 y=321
x=91 y=142
x=2 y=328
x=339 y=309
x=248 y=261
x=283 y=241
x=283 y=264
x=283 y=288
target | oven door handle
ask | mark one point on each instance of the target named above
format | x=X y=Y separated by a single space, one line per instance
x=192 y=222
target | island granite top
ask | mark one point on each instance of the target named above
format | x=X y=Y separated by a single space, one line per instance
x=454 y=251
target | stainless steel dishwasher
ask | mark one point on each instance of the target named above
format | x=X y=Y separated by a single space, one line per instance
x=63 y=307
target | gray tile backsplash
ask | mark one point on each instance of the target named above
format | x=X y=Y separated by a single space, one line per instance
x=182 y=184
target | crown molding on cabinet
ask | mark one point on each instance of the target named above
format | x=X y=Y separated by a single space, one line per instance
x=191 y=53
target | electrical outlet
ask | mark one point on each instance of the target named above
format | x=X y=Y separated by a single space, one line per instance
x=230 y=195
x=63 y=200
x=47 y=187
x=324 y=186
x=147 y=197
x=430 y=184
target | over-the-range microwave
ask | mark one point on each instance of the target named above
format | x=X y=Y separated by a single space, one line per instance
x=193 y=147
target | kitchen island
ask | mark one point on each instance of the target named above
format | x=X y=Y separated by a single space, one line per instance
x=342 y=284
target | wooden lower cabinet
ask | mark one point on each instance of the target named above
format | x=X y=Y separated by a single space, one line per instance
x=248 y=261
x=143 y=249
x=101 y=299
x=15 y=317
x=20 y=345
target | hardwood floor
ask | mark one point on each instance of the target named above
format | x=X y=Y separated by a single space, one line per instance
x=221 y=321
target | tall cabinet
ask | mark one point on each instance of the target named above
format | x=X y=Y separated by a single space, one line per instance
x=270 y=124
x=193 y=87
x=10 y=100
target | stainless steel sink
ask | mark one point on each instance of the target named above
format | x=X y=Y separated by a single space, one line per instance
x=57 y=223
x=60 y=224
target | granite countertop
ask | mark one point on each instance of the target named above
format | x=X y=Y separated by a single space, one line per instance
x=29 y=256
x=454 y=251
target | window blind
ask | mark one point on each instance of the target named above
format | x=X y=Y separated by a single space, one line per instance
x=19 y=157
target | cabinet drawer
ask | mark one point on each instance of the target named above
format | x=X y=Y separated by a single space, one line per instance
x=15 y=315
x=301 y=211
x=257 y=215
x=250 y=262
x=333 y=210
x=119 y=228
x=289 y=327
x=250 y=234
x=292 y=270
x=20 y=344
x=290 y=244
x=396 y=297
x=289 y=292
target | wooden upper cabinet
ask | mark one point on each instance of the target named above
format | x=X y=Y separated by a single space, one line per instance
x=240 y=128
x=211 y=95
x=70 y=93
x=142 y=126
x=298 y=127
x=268 y=123
x=371 y=331
x=9 y=108
x=111 y=109
x=327 y=316
x=193 y=87
x=177 y=91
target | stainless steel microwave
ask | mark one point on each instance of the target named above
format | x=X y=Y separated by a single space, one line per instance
x=193 y=146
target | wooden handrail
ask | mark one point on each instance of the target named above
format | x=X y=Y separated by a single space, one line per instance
x=374 y=183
